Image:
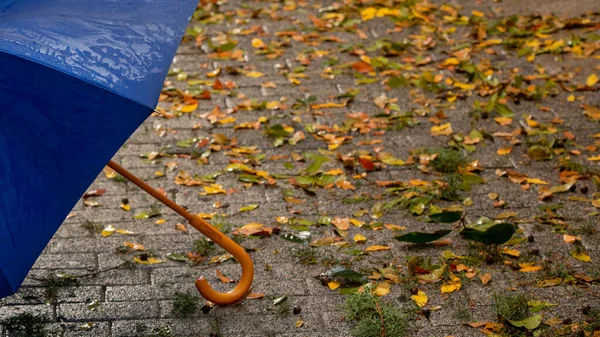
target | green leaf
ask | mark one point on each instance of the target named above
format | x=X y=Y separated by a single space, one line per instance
x=537 y=306
x=293 y=238
x=248 y=208
x=347 y=275
x=537 y=152
x=446 y=216
x=504 y=111
x=398 y=81
x=529 y=323
x=418 y=208
x=176 y=257
x=495 y=235
x=277 y=131
x=421 y=237
x=142 y=215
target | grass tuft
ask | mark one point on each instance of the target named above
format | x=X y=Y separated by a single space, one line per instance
x=511 y=306
x=374 y=317
x=25 y=325
x=185 y=304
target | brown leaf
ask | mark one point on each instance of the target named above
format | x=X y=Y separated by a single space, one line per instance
x=224 y=278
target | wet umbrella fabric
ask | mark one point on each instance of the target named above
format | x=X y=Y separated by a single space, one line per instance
x=77 y=77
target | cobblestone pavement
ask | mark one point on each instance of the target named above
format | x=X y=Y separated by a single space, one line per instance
x=277 y=61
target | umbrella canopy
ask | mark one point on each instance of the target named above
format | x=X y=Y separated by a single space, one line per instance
x=77 y=77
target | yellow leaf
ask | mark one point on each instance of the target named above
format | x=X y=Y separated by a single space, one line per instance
x=109 y=173
x=160 y=221
x=596 y=158
x=442 y=130
x=368 y=13
x=135 y=246
x=503 y=120
x=227 y=120
x=255 y=74
x=549 y=282
x=189 y=108
x=214 y=73
x=124 y=232
x=334 y=172
x=464 y=86
x=596 y=203
x=382 y=289
x=591 y=80
x=504 y=151
x=333 y=285
x=299 y=323
x=126 y=207
x=536 y=181
x=529 y=267
x=485 y=278
x=571 y=98
x=328 y=105
x=376 y=248
x=453 y=285
x=108 y=231
x=581 y=256
x=511 y=252
x=451 y=61
x=359 y=238
x=150 y=260
x=420 y=298
x=258 y=43
x=213 y=189
x=356 y=223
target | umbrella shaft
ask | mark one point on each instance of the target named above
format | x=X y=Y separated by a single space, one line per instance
x=197 y=222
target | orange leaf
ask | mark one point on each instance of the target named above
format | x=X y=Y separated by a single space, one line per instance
x=363 y=67
x=376 y=248
x=224 y=278
x=485 y=278
x=181 y=227
x=341 y=224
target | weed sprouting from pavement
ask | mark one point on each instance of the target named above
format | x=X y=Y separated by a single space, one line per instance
x=511 y=306
x=25 y=325
x=203 y=247
x=185 y=304
x=374 y=317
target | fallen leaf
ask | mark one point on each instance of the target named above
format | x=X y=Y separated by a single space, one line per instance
x=485 y=278
x=382 y=289
x=341 y=223
x=181 y=227
x=333 y=285
x=529 y=323
x=108 y=231
x=376 y=248
x=255 y=74
x=134 y=246
x=528 y=267
x=150 y=260
x=581 y=256
x=223 y=278
x=591 y=80
x=442 y=130
x=420 y=298
x=358 y=238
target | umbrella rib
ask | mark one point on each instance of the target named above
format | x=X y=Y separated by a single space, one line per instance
x=243 y=288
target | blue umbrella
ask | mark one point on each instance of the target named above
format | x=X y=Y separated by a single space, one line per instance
x=77 y=77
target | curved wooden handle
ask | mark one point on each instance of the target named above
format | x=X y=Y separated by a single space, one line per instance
x=243 y=288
